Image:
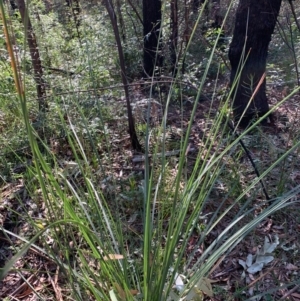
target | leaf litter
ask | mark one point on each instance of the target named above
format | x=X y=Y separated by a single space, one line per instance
x=266 y=259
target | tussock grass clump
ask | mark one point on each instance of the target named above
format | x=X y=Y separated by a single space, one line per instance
x=112 y=228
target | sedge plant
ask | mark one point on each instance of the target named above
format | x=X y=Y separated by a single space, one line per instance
x=89 y=228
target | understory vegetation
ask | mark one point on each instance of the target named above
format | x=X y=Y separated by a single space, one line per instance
x=205 y=210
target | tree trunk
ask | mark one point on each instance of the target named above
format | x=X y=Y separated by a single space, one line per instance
x=113 y=18
x=121 y=20
x=151 y=22
x=216 y=16
x=35 y=57
x=254 y=25
x=174 y=35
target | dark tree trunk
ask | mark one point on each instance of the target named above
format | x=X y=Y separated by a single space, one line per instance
x=121 y=20
x=151 y=22
x=35 y=57
x=254 y=25
x=217 y=17
x=174 y=35
x=113 y=18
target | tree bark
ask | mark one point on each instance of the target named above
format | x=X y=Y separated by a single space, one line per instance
x=121 y=20
x=254 y=26
x=151 y=22
x=174 y=35
x=113 y=18
x=35 y=57
x=216 y=16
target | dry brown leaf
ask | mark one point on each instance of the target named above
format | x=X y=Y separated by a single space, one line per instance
x=204 y=285
x=291 y=267
x=120 y=291
x=134 y=292
x=113 y=257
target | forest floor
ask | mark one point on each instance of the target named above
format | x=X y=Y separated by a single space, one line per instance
x=35 y=272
